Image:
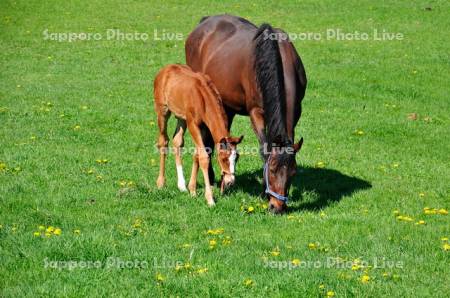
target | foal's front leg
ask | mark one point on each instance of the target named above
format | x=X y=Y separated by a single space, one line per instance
x=178 y=142
x=203 y=159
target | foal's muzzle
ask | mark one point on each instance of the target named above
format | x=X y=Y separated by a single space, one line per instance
x=227 y=181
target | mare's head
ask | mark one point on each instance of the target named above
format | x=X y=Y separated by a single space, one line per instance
x=279 y=168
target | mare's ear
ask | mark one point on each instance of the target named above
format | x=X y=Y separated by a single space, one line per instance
x=277 y=141
x=298 y=146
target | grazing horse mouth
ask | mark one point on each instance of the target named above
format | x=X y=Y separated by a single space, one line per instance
x=227 y=181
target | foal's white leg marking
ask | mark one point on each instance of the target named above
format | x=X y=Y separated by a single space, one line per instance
x=181 y=181
x=232 y=161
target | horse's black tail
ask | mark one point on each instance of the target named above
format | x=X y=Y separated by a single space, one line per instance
x=270 y=79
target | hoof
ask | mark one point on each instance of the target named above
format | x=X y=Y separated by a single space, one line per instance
x=160 y=182
x=182 y=187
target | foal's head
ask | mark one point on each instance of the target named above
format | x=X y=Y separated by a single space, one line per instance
x=279 y=169
x=227 y=157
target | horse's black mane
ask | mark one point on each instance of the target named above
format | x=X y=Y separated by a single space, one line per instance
x=270 y=78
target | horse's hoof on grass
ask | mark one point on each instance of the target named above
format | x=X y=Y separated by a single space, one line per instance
x=160 y=182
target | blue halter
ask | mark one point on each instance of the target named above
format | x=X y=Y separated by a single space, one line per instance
x=268 y=190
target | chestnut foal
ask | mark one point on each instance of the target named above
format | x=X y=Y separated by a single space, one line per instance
x=195 y=101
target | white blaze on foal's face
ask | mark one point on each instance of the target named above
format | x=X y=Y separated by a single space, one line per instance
x=232 y=160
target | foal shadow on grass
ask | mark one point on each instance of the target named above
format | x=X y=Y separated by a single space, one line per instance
x=322 y=186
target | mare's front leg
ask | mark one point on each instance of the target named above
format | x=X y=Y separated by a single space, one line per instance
x=203 y=160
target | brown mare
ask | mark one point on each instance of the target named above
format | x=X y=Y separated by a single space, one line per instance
x=195 y=101
x=260 y=75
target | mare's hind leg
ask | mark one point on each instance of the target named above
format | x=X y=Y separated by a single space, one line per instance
x=163 y=140
x=178 y=143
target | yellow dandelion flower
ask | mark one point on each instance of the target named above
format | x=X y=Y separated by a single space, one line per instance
x=50 y=229
x=248 y=282
x=365 y=279
x=215 y=231
x=41 y=228
x=36 y=234
x=312 y=246
x=186 y=245
x=444 y=238
x=356 y=267
x=187 y=266
x=77 y=127
x=320 y=164
x=77 y=232
x=330 y=294
x=264 y=206
x=178 y=268
x=47 y=234
x=159 y=277
x=446 y=246
x=420 y=222
x=90 y=171
x=275 y=252
x=321 y=286
x=442 y=211
x=202 y=270
x=395 y=164
x=359 y=132
x=386 y=274
x=421 y=194
x=57 y=231
x=250 y=209
x=396 y=212
x=295 y=262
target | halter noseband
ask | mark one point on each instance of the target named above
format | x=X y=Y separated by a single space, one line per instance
x=268 y=190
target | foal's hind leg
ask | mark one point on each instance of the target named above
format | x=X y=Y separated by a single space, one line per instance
x=178 y=143
x=193 y=181
x=163 y=140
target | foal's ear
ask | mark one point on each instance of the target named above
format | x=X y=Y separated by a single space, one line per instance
x=236 y=140
x=298 y=146
x=223 y=143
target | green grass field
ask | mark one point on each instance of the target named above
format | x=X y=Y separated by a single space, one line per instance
x=77 y=137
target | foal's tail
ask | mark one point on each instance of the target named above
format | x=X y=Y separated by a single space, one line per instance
x=270 y=80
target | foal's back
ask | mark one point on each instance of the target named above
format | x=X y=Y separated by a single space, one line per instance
x=180 y=90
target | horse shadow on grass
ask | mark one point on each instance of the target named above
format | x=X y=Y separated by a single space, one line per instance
x=326 y=186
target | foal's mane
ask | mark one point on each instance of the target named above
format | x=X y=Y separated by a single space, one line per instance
x=208 y=83
x=270 y=79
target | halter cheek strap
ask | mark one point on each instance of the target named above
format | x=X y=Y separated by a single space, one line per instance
x=268 y=190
